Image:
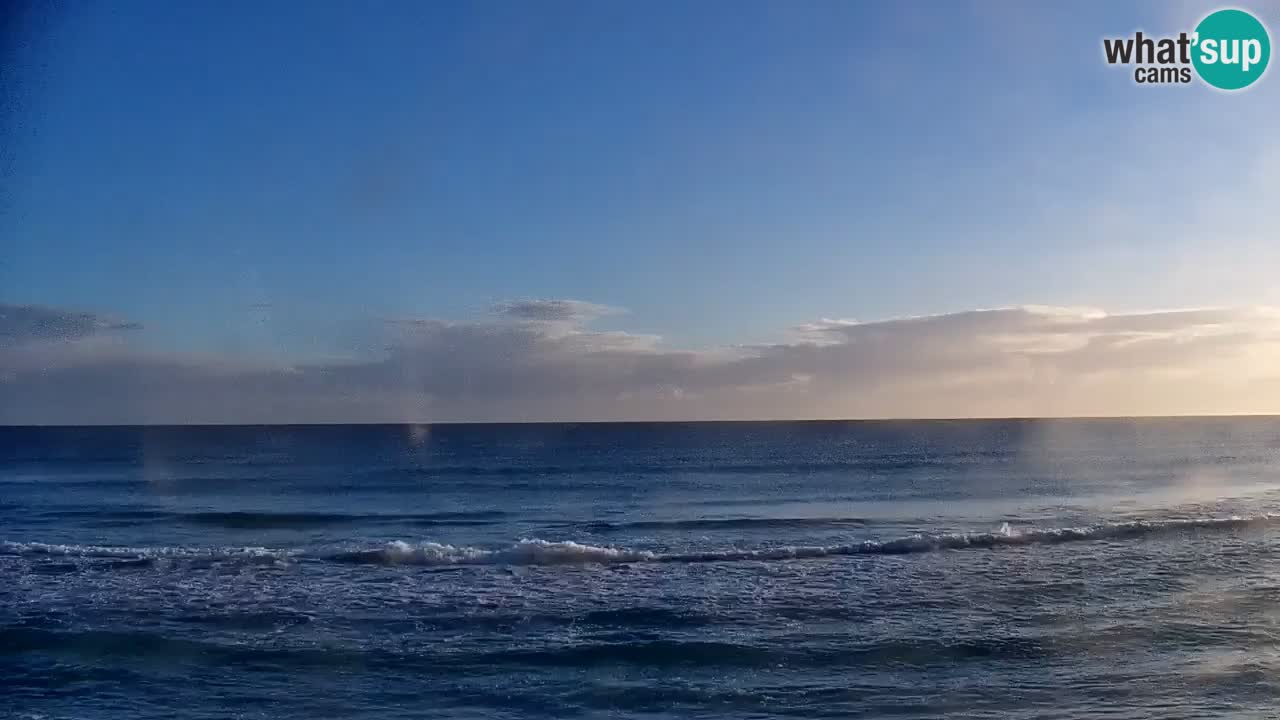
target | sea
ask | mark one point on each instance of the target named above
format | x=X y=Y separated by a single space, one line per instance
x=1108 y=568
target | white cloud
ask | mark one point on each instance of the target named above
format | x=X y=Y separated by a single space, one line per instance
x=548 y=366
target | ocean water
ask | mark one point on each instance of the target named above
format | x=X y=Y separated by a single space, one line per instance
x=975 y=569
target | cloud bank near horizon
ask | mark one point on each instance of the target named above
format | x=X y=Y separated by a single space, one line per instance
x=545 y=360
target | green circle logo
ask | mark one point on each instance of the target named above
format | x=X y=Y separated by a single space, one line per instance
x=1231 y=49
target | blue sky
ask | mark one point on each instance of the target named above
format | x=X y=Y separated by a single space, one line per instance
x=274 y=180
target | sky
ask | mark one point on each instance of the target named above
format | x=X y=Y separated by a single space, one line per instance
x=428 y=212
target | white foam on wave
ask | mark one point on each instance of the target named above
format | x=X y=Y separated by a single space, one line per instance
x=545 y=552
x=117 y=552
x=525 y=552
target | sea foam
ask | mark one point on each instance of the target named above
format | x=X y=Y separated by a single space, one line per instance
x=546 y=552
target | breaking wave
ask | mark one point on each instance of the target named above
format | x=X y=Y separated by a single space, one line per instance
x=111 y=552
x=546 y=552
x=525 y=552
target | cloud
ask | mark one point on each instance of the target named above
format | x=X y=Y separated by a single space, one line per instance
x=23 y=323
x=548 y=366
x=558 y=311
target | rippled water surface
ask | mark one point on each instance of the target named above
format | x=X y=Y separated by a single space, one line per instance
x=1012 y=569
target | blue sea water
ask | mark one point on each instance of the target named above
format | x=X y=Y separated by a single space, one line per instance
x=975 y=569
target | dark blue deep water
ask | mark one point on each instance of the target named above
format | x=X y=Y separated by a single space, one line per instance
x=1011 y=569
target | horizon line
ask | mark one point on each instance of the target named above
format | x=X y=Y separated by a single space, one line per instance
x=411 y=423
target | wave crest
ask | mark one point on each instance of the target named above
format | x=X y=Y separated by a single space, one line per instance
x=525 y=552
x=545 y=552
x=112 y=552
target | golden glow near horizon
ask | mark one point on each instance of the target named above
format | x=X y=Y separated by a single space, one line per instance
x=1010 y=362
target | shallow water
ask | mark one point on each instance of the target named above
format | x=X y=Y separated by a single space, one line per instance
x=1012 y=569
